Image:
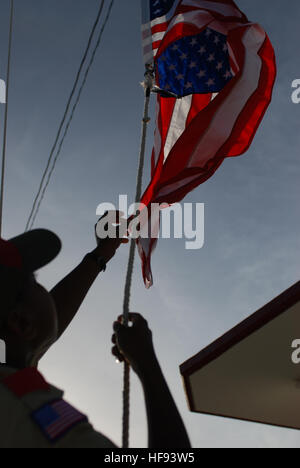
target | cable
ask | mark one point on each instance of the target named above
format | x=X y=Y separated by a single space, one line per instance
x=66 y=110
x=72 y=114
x=6 y=111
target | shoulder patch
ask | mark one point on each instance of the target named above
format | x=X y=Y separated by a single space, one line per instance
x=56 y=419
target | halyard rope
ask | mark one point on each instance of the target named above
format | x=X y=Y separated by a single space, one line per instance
x=127 y=292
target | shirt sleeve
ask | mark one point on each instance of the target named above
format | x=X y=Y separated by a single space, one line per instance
x=84 y=436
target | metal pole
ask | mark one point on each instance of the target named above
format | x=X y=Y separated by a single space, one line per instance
x=6 y=113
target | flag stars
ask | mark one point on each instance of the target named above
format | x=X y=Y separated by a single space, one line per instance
x=210 y=82
x=225 y=48
x=198 y=64
x=201 y=73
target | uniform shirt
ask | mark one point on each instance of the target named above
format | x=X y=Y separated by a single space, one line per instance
x=33 y=414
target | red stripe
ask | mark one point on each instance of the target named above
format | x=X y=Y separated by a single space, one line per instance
x=166 y=108
x=178 y=31
x=9 y=255
x=159 y=27
x=147 y=49
x=67 y=416
x=253 y=113
x=199 y=102
x=55 y=430
x=25 y=381
x=156 y=44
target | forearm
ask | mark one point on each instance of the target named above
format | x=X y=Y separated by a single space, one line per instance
x=69 y=294
x=165 y=426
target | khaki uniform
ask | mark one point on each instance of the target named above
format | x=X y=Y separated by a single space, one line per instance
x=33 y=414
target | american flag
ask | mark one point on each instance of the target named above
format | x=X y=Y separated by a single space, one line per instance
x=57 y=418
x=223 y=69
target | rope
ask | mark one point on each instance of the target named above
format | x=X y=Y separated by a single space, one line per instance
x=127 y=291
x=35 y=208
x=6 y=112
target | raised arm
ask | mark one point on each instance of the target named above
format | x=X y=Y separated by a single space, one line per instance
x=69 y=293
x=165 y=426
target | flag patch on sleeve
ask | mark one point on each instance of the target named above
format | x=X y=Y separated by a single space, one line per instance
x=56 y=419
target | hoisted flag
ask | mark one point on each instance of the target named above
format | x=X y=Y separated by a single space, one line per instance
x=222 y=68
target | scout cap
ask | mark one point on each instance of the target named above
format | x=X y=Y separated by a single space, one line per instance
x=20 y=257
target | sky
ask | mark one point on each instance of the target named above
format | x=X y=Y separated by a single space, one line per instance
x=251 y=250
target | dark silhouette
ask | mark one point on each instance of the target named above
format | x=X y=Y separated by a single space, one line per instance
x=32 y=319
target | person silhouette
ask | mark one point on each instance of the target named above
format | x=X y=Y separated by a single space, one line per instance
x=34 y=413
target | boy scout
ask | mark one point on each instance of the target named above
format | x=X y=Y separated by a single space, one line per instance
x=33 y=412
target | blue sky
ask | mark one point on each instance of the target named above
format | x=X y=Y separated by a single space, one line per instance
x=251 y=250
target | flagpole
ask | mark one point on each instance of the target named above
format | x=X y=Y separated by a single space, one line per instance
x=148 y=84
x=6 y=113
